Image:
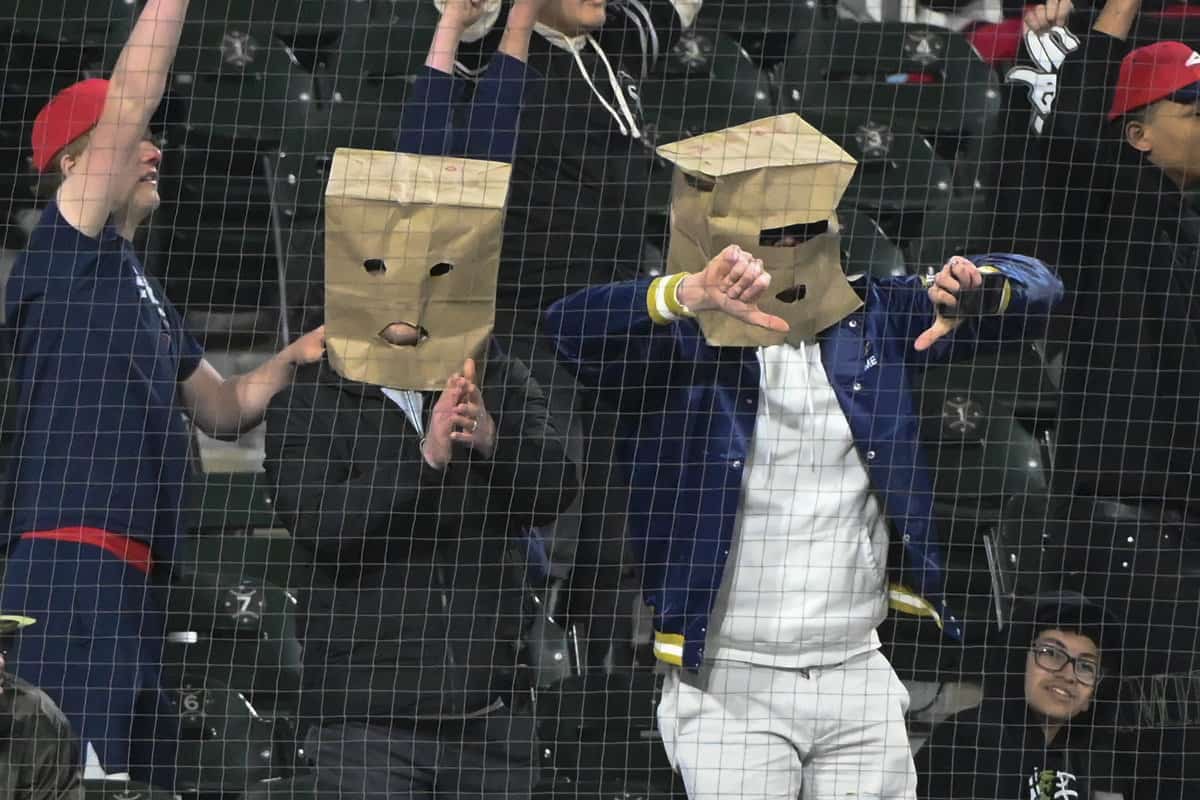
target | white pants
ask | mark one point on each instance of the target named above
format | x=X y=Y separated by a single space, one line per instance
x=757 y=733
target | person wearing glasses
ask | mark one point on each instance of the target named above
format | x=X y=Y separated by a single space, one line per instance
x=1038 y=734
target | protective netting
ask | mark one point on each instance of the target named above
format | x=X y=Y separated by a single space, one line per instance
x=606 y=556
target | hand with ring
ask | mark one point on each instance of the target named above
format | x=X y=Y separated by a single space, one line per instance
x=459 y=416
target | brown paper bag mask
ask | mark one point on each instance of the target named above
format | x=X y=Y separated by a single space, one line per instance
x=769 y=182
x=415 y=240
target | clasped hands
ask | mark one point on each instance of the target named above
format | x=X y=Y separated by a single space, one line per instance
x=459 y=417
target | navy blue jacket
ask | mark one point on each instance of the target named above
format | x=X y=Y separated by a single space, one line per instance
x=697 y=407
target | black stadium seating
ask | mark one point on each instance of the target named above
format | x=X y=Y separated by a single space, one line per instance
x=264 y=91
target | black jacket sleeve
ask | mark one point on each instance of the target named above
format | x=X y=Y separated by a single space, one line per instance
x=529 y=477
x=1068 y=79
x=1078 y=127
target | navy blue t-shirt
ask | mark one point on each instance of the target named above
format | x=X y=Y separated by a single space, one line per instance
x=99 y=353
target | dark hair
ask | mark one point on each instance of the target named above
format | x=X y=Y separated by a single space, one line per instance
x=1141 y=115
x=1083 y=619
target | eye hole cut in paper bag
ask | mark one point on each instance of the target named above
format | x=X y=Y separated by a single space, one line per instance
x=416 y=240
x=770 y=186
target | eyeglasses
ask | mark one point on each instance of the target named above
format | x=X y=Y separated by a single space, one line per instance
x=1055 y=659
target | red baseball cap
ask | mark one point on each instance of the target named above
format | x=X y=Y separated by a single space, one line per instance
x=70 y=114
x=1156 y=72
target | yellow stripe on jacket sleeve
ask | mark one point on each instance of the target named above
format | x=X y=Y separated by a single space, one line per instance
x=1006 y=296
x=906 y=601
x=662 y=301
x=668 y=647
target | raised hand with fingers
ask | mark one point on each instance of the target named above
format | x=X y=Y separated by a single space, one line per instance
x=436 y=446
x=308 y=348
x=732 y=282
x=459 y=416
x=950 y=291
x=475 y=427
x=1051 y=14
x=462 y=14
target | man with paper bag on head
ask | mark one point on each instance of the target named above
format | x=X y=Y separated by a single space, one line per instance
x=406 y=459
x=774 y=456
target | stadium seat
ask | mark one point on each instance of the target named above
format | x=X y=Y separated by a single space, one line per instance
x=301 y=787
x=978 y=452
x=930 y=75
x=706 y=83
x=237 y=82
x=100 y=789
x=33 y=71
x=915 y=646
x=1146 y=574
x=599 y=735
x=214 y=248
x=393 y=41
x=898 y=170
x=230 y=604
x=93 y=23
x=284 y=17
x=553 y=651
x=213 y=180
x=274 y=560
x=227 y=503
x=267 y=672
x=225 y=745
x=865 y=247
x=765 y=29
x=349 y=109
x=221 y=268
x=1014 y=382
x=960 y=227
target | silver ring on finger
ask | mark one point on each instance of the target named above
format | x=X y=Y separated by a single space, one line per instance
x=475 y=426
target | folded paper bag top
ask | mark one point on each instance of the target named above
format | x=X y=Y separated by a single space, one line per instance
x=770 y=186
x=414 y=240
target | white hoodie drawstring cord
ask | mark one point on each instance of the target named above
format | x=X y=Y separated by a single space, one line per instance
x=616 y=87
x=624 y=118
x=809 y=406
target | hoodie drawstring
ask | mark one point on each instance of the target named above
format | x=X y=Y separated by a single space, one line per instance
x=616 y=87
x=809 y=406
x=626 y=121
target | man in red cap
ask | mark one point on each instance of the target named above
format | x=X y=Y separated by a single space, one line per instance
x=1124 y=142
x=104 y=368
x=1157 y=99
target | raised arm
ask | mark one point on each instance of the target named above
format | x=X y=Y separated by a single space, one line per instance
x=615 y=335
x=433 y=120
x=530 y=476
x=1117 y=18
x=427 y=125
x=228 y=407
x=106 y=173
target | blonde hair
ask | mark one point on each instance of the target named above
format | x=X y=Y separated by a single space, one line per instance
x=48 y=182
